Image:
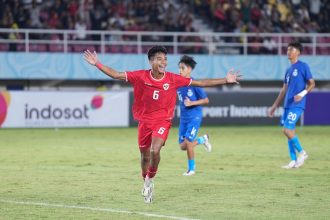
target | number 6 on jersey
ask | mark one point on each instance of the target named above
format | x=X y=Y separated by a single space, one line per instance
x=161 y=130
x=155 y=95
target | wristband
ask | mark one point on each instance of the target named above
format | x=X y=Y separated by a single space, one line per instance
x=99 y=65
x=302 y=93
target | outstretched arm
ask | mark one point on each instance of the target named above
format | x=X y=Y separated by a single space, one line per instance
x=230 y=78
x=92 y=59
x=278 y=100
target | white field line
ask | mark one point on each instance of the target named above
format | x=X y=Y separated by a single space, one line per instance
x=94 y=209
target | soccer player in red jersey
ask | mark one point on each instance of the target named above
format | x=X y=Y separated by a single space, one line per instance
x=154 y=103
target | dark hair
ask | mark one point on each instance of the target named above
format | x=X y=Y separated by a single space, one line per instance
x=188 y=61
x=156 y=49
x=296 y=45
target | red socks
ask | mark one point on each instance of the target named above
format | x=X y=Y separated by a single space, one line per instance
x=144 y=175
x=151 y=172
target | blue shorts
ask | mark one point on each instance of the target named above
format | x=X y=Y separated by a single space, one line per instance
x=189 y=129
x=290 y=117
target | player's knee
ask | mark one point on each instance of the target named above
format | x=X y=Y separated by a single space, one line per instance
x=155 y=150
x=284 y=131
x=287 y=132
x=183 y=146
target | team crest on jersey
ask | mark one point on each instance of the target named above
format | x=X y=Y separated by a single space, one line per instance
x=189 y=93
x=166 y=86
x=295 y=72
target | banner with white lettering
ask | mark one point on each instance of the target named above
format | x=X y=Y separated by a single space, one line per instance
x=239 y=108
x=22 y=109
x=236 y=108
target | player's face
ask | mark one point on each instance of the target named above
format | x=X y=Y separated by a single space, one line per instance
x=292 y=53
x=158 y=62
x=185 y=70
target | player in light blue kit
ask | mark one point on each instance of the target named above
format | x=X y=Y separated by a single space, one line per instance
x=298 y=82
x=191 y=98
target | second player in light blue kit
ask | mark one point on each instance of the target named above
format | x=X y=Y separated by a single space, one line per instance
x=191 y=98
x=298 y=82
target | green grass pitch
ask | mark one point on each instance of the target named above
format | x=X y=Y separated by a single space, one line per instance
x=95 y=174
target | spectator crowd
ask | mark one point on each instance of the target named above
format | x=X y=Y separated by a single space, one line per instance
x=270 y=16
x=235 y=16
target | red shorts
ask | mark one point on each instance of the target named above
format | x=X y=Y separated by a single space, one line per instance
x=147 y=130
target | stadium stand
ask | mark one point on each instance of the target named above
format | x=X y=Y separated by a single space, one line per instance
x=184 y=26
x=182 y=16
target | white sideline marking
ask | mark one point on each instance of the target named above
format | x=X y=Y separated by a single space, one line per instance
x=94 y=209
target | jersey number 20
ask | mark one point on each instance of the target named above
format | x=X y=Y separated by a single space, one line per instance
x=292 y=116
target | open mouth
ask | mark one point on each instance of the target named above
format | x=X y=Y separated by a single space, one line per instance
x=161 y=69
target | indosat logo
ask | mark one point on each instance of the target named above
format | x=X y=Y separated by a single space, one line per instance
x=4 y=104
x=63 y=113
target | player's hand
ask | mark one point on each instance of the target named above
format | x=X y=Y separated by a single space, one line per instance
x=271 y=111
x=187 y=102
x=232 y=77
x=90 y=57
x=297 y=98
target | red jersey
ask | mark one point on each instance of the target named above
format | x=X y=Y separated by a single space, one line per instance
x=154 y=99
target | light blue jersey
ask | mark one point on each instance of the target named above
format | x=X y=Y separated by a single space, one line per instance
x=193 y=93
x=190 y=117
x=296 y=78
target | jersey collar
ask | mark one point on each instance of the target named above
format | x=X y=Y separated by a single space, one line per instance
x=157 y=79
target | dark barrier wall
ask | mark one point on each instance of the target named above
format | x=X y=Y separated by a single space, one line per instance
x=235 y=108
x=317 y=110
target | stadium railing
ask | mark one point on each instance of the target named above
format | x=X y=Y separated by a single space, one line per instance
x=71 y=41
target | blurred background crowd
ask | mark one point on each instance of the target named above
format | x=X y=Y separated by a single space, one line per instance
x=234 y=16
x=272 y=16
